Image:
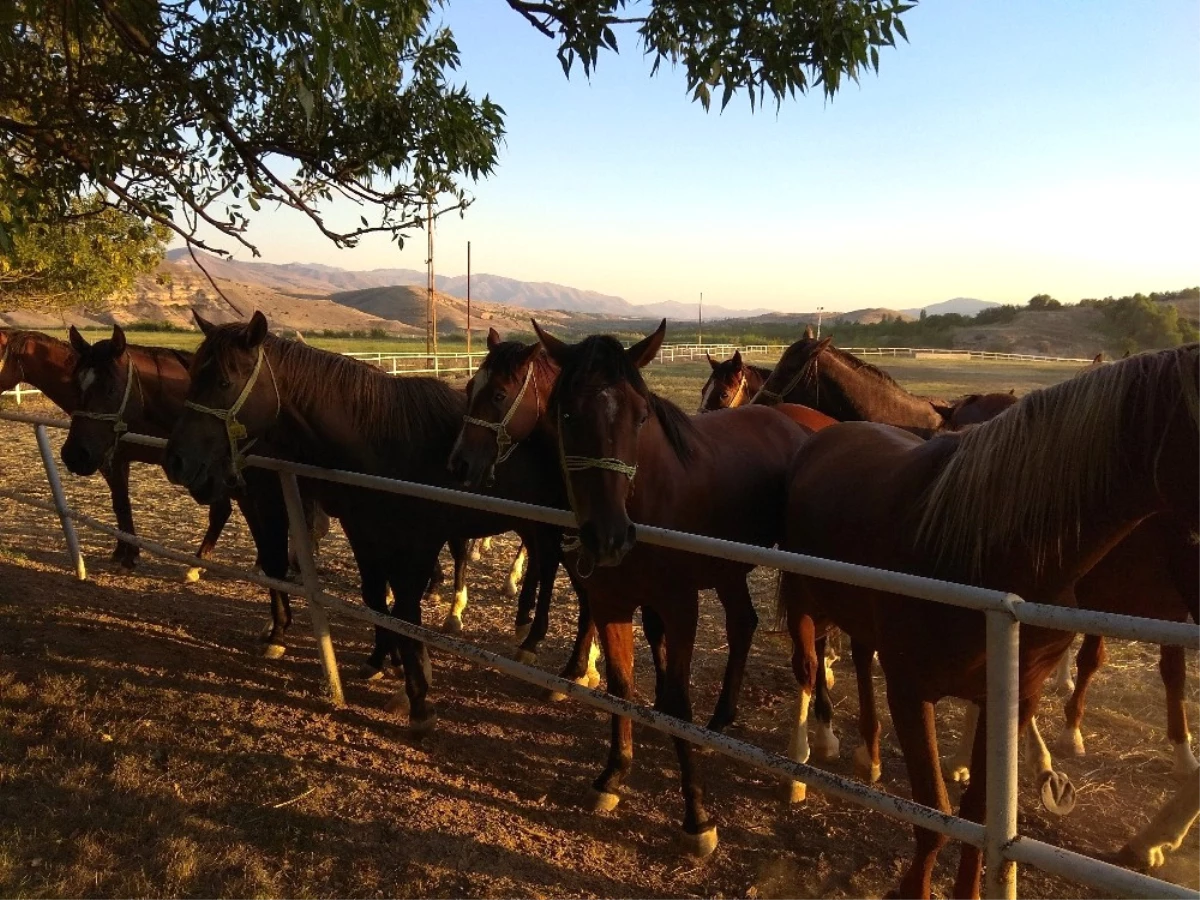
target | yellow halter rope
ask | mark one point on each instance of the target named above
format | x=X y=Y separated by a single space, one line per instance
x=505 y=444
x=234 y=429
x=740 y=391
x=119 y=425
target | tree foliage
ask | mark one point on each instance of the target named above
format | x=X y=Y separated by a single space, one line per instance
x=1145 y=322
x=1043 y=302
x=194 y=113
x=78 y=260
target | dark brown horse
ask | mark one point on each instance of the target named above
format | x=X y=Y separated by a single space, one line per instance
x=1027 y=503
x=627 y=454
x=732 y=383
x=320 y=408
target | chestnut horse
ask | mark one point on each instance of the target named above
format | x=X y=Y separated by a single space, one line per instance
x=1160 y=566
x=627 y=454
x=310 y=406
x=1028 y=502
x=732 y=383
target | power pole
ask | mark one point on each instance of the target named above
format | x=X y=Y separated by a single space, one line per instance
x=468 y=304
x=431 y=300
x=700 y=322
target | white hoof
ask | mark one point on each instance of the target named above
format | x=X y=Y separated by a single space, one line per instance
x=274 y=651
x=452 y=625
x=957 y=771
x=476 y=556
x=825 y=743
x=369 y=673
x=423 y=726
x=864 y=767
x=602 y=801
x=798 y=792
x=830 y=678
x=1057 y=792
x=525 y=657
x=520 y=632
x=193 y=575
x=1185 y=761
x=1070 y=743
x=700 y=845
x=555 y=697
x=591 y=679
x=397 y=703
x=427 y=669
x=511 y=589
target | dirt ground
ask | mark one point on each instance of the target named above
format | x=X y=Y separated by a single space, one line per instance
x=146 y=749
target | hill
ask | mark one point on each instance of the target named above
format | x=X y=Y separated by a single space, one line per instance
x=963 y=306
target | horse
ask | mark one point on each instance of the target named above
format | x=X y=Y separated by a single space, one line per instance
x=1028 y=502
x=310 y=406
x=123 y=387
x=732 y=383
x=48 y=363
x=1159 y=566
x=626 y=453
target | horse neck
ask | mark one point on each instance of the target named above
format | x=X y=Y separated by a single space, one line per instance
x=865 y=397
x=163 y=382
x=49 y=365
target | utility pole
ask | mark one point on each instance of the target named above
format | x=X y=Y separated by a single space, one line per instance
x=431 y=301
x=820 y=312
x=468 y=304
x=700 y=322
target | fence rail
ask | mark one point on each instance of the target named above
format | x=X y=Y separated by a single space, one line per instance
x=998 y=836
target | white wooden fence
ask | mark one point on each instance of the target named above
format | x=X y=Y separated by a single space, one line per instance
x=1005 y=613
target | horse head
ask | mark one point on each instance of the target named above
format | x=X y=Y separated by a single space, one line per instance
x=598 y=408
x=232 y=401
x=105 y=377
x=505 y=401
x=726 y=386
x=794 y=378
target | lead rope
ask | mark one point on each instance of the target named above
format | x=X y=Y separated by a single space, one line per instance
x=234 y=429
x=119 y=425
x=505 y=445
x=571 y=541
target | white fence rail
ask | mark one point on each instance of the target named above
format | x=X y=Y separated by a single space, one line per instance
x=998 y=836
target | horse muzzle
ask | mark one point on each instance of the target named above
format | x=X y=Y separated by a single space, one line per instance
x=607 y=546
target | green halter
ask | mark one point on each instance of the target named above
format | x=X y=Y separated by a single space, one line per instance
x=119 y=425
x=234 y=429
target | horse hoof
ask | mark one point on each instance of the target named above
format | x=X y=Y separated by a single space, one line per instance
x=525 y=657
x=369 y=672
x=593 y=680
x=452 y=625
x=193 y=575
x=554 y=697
x=1058 y=794
x=397 y=703
x=274 y=651
x=511 y=590
x=427 y=670
x=476 y=556
x=825 y=743
x=522 y=631
x=1070 y=743
x=866 y=768
x=1185 y=762
x=700 y=845
x=830 y=678
x=798 y=792
x=602 y=801
x=419 y=727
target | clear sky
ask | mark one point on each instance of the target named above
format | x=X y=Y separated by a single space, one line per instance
x=1013 y=147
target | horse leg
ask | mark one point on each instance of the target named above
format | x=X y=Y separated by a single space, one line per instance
x=408 y=580
x=740 y=623
x=802 y=630
x=824 y=743
x=117 y=476
x=547 y=558
x=699 y=830
x=958 y=767
x=526 y=599
x=474 y=548
x=581 y=665
x=616 y=638
x=1061 y=679
x=1166 y=831
x=913 y=720
x=1172 y=665
x=266 y=516
x=867 y=763
x=218 y=514
x=656 y=636
x=516 y=572
x=1091 y=657
x=1055 y=788
x=460 y=552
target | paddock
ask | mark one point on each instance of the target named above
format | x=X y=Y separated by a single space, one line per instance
x=502 y=774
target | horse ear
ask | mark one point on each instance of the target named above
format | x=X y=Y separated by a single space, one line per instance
x=203 y=324
x=808 y=333
x=555 y=348
x=647 y=348
x=712 y=362
x=823 y=345
x=256 y=330
x=737 y=358
x=493 y=338
x=118 y=342
x=77 y=341
x=1097 y=359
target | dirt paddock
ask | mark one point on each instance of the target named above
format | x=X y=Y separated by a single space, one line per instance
x=147 y=749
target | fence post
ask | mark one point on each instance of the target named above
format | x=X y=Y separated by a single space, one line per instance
x=60 y=502
x=312 y=587
x=1000 y=825
x=17 y=390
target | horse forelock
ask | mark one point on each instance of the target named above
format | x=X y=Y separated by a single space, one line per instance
x=1031 y=476
x=599 y=362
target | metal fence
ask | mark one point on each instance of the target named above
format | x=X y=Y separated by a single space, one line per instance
x=1003 y=846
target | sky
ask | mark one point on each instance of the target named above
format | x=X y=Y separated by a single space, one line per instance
x=1012 y=147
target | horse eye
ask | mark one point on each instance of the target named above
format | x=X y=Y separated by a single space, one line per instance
x=499 y=397
x=226 y=384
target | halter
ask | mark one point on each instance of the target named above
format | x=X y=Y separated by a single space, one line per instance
x=740 y=391
x=119 y=425
x=505 y=444
x=234 y=429
x=770 y=398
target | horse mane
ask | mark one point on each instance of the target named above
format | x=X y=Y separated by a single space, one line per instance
x=1031 y=475
x=761 y=371
x=405 y=414
x=862 y=366
x=603 y=356
x=158 y=354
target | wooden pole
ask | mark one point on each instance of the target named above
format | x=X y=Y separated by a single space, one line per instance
x=431 y=301
x=469 y=305
x=700 y=322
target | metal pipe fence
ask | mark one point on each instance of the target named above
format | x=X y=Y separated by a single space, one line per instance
x=998 y=836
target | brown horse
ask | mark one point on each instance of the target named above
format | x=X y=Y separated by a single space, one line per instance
x=1027 y=503
x=732 y=383
x=48 y=364
x=628 y=454
x=311 y=406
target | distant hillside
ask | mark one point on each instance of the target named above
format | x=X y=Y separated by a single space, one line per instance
x=963 y=306
x=868 y=316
